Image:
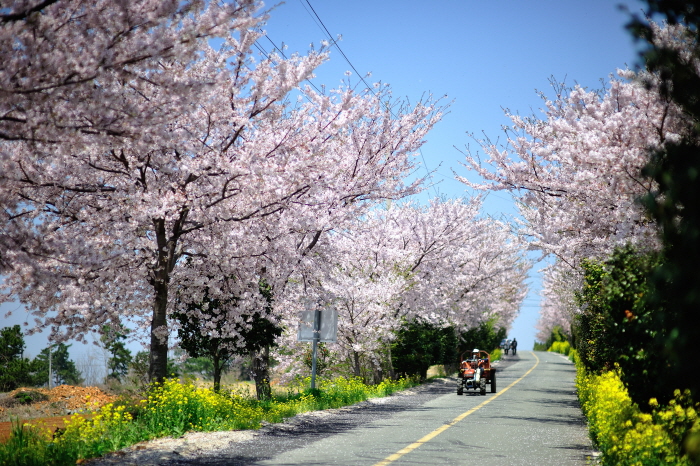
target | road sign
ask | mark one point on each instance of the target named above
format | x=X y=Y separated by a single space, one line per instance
x=317 y=325
x=328 y=326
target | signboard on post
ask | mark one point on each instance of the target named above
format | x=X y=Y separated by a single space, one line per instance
x=328 y=326
x=316 y=326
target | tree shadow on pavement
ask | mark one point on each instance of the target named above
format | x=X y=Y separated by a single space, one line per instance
x=307 y=428
x=563 y=420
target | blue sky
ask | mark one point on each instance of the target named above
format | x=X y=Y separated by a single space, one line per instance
x=483 y=55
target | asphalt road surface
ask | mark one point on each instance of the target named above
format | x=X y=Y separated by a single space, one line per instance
x=533 y=419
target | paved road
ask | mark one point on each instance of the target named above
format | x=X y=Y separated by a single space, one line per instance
x=533 y=419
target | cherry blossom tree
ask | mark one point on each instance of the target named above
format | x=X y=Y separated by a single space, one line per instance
x=67 y=63
x=441 y=263
x=558 y=306
x=357 y=271
x=576 y=174
x=145 y=177
x=468 y=269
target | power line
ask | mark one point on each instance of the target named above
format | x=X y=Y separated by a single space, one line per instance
x=260 y=49
x=321 y=25
x=430 y=175
x=335 y=42
x=285 y=57
x=312 y=16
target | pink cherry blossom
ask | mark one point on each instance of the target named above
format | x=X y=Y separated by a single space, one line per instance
x=440 y=262
x=576 y=173
x=144 y=167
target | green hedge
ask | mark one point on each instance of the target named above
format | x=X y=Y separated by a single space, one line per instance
x=562 y=347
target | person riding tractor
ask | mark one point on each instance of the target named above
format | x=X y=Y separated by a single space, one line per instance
x=477 y=364
x=475 y=372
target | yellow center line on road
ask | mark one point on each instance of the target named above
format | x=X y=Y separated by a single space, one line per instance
x=439 y=430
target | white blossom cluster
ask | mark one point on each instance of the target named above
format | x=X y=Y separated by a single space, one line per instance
x=442 y=263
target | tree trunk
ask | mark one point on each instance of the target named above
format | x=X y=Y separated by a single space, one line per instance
x=356 y=364
x=160 y=280
x=158 y=361
x=392 y=373
x=377 y=375
x=217 y=373
x=260 y=371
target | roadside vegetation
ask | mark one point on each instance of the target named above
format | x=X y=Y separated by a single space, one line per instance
x=625 y=434
x=629 y=388
x=620 y=213
x=190 y=401
x=172 y=409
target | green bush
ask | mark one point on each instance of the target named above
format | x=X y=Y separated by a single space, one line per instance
x=486 y=337
x=29 y=447
x=26 y=397
x=557 y=335
x=562 y=347
x=420 y=344
x=538 y=346
x=618 y=326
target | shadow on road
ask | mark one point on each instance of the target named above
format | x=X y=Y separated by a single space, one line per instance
x=575 y=447
x=307 y=428
x=563 y=420
x=549 y=391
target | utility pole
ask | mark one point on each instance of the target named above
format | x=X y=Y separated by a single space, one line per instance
x=50 y=371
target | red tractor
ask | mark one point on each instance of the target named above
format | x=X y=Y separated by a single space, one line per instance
x=476 y=372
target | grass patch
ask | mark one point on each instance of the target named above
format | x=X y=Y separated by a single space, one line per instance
x=171 y=409
x=26 y=397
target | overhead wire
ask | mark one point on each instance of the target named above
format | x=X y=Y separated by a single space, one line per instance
x=334 y=42
x=264 y=52
x=321 y=25
x=285 y=57
x=312 y=16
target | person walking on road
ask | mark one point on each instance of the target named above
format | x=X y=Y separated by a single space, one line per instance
x=514 y=346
